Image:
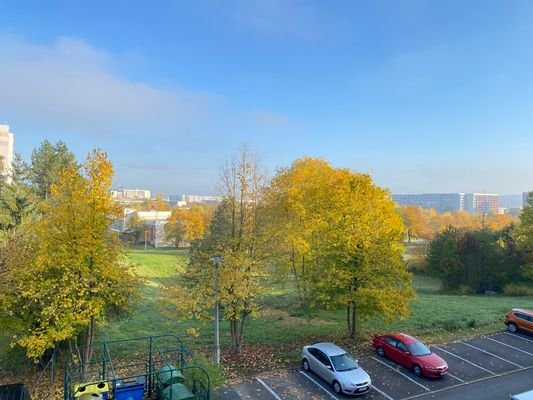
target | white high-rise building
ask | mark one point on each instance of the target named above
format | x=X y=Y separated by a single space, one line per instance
x=6 y=150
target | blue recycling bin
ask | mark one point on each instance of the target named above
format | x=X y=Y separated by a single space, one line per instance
x=130 y=389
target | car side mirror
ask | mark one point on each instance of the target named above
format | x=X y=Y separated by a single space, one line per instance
x=406 y=352
x=329 y=367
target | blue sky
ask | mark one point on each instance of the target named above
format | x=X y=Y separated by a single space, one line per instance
x=425 y=96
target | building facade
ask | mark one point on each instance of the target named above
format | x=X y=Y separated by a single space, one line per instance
x=6 y=150
x=440 y=202
x=154 y=223
x=473 y=203
x=482 y=203
x=194 y=198
x=131 y=194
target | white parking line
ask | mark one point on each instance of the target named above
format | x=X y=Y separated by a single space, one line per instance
x=319 y=385
x=455 y=377
x=494 y=355
x=518 y=336
x=382 y=393
x=465 y=360
x=401 y=373
x=512 y=347
x=269 y=389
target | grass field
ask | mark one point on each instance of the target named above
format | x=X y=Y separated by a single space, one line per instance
x=285 y=327
x=434 y=316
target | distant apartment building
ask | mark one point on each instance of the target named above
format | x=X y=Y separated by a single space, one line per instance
x=131 y=194
x=6 y=150
x=440 y=202
x=194 y=198
x=481 y=203
x=472 y=203
x=174 y=200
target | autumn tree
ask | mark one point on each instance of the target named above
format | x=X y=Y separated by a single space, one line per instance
x=187 y=224
x=342 y=240
x=47 y=163
x=236 y=236
x=416 y=222
x=70 y=272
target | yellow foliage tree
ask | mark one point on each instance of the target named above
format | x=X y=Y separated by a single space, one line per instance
x=74 y=272
x=188 y=224
x=236 y=235
x=341 y=237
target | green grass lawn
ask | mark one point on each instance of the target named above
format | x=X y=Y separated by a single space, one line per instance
x=434 y=316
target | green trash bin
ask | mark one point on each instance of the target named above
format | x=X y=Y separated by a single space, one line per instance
x=168 y=375
x=178 y=391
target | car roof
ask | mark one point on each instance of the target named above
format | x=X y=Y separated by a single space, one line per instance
x=522 y=310
x=329 y=348
x=402 y=337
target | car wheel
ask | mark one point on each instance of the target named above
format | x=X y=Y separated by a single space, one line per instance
x=380 y=352
x=305 y=365
x=337 y=388
x=512 y=328
x=417 y=370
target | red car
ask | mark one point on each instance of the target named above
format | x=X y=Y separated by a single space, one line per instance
x=411 y=353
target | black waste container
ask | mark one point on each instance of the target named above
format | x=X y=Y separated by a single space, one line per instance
x=16 y=391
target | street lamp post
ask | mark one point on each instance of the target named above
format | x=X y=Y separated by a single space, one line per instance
x=216 y=352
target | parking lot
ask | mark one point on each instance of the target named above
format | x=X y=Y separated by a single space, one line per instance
x=483 y=368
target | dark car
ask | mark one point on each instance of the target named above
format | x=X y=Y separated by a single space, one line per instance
x=16 y=391
x=411 y=353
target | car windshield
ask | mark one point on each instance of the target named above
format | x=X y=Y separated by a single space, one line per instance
x=344 y=362
x=418 y=349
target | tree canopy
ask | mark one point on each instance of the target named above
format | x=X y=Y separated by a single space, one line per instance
x=47 y=163
x=236 y=235
x=340 y=237
x=69 y=270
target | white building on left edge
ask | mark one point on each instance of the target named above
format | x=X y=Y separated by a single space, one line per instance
x=6 y=150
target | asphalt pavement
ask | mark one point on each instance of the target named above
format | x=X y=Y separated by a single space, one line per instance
x=486 y=367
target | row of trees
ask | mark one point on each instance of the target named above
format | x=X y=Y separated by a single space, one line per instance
x=334 y=233
x=480 y=260
x=427 y=223
x=61 y=267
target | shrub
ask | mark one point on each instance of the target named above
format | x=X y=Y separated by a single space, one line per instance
x=516 y=290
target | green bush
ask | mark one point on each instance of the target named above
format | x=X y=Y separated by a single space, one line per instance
x=516 y=290
x=216 y=373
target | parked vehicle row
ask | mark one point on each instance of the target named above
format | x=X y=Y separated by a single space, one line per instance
x=337 y=367
x=343 y=373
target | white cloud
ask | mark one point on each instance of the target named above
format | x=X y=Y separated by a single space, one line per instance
x=71 y=86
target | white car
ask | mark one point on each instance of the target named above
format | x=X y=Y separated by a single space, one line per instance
x=337 y=367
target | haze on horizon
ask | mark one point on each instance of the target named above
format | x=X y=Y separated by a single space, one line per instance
x=423 y=96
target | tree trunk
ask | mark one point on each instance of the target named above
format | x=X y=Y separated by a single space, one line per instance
x=354 y=323
x=348 y=324
x=233 y=326
x=351 y=319
x=88 y=351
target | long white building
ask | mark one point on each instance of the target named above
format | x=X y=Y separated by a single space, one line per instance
x=473 y=203
x=6 y=150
